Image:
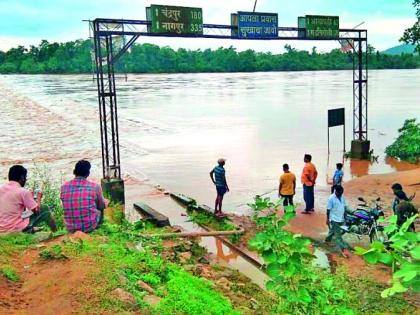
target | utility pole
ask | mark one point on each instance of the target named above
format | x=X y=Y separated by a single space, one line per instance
x=255 y=5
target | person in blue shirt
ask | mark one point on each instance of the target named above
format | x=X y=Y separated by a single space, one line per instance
x=218 y=177
x=336 y=209
x=337 y=177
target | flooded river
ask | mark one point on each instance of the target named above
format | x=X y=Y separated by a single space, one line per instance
x=174 y=127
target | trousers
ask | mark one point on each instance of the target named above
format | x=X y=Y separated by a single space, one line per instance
x=308 y=196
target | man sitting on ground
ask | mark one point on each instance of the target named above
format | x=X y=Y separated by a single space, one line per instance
x=14 y=199
x=83 y=201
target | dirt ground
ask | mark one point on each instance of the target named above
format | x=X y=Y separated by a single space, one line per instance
x=65 y=286
x=45 y=287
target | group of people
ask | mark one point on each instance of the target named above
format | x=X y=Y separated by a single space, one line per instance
x=287 y=186
x=337 y=206
x=22 y=210
x=84 y=203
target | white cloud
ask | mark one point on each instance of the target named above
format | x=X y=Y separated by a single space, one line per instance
x=383 y=32
x=7 y=42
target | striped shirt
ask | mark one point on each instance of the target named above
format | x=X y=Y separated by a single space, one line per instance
x=219 y=176
x=81 y=200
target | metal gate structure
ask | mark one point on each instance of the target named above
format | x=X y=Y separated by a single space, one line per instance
x=108 y=48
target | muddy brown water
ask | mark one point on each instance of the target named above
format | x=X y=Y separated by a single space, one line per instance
x=174 y=127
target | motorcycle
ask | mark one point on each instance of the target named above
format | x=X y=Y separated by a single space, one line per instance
x=363 y=221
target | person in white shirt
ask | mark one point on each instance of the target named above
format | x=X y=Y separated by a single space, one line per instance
x=336 y=208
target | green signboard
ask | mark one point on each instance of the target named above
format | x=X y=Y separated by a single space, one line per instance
x=167 y=19
x=322 y=27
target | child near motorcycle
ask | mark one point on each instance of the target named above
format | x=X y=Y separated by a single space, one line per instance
x=337 y=177
x=336 y=208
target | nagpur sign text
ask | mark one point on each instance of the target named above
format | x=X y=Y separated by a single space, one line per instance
x=173 y=19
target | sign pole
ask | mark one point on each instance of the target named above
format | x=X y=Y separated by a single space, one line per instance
x=328 y=136
x=344 y=135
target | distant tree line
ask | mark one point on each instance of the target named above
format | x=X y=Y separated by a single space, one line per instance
x=75 y=57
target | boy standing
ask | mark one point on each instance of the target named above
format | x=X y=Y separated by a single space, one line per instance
x=337 y=177
x=287 y=187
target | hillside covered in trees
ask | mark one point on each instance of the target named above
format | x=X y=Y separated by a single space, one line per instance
x=75 y=57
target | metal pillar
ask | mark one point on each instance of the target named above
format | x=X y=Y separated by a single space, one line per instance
x=360 y=89
x=360 y=145
x=107 y=97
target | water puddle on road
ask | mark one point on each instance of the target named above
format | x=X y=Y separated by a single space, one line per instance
x=225 y=255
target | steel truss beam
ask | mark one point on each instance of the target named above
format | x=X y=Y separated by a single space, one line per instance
x=360 y=89
x=109 y=48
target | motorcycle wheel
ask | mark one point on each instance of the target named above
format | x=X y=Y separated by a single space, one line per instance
x=377 y=236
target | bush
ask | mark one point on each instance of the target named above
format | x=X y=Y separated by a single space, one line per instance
x=407 y=146
x=41 y=178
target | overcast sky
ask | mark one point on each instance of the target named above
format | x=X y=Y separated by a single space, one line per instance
x=26 y=22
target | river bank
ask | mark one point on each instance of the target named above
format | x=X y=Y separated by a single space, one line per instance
x=115 y=270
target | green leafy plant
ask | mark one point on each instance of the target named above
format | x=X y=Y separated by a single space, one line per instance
x=401 y=252
x=302 y=288
x=407 y=146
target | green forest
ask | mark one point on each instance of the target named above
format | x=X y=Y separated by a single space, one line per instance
x=75 y=57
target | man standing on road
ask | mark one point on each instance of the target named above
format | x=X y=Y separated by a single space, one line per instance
x=83 y=201
x=336 y=208
x=308 y=178
x=287 y=187
x=218 y=177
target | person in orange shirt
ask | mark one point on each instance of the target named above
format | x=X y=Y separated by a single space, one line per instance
x=287 y=187
x=308 y=178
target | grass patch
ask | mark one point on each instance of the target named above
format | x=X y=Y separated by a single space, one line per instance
x=364 y=295
x=9 y=273
x=188 y=294
x=14 y=243
x=209 y=220
x=122 y=266
x=53 y=253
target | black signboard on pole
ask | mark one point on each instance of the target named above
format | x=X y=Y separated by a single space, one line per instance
x=336 y=117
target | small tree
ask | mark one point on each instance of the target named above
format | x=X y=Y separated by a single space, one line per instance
x=412 y=34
